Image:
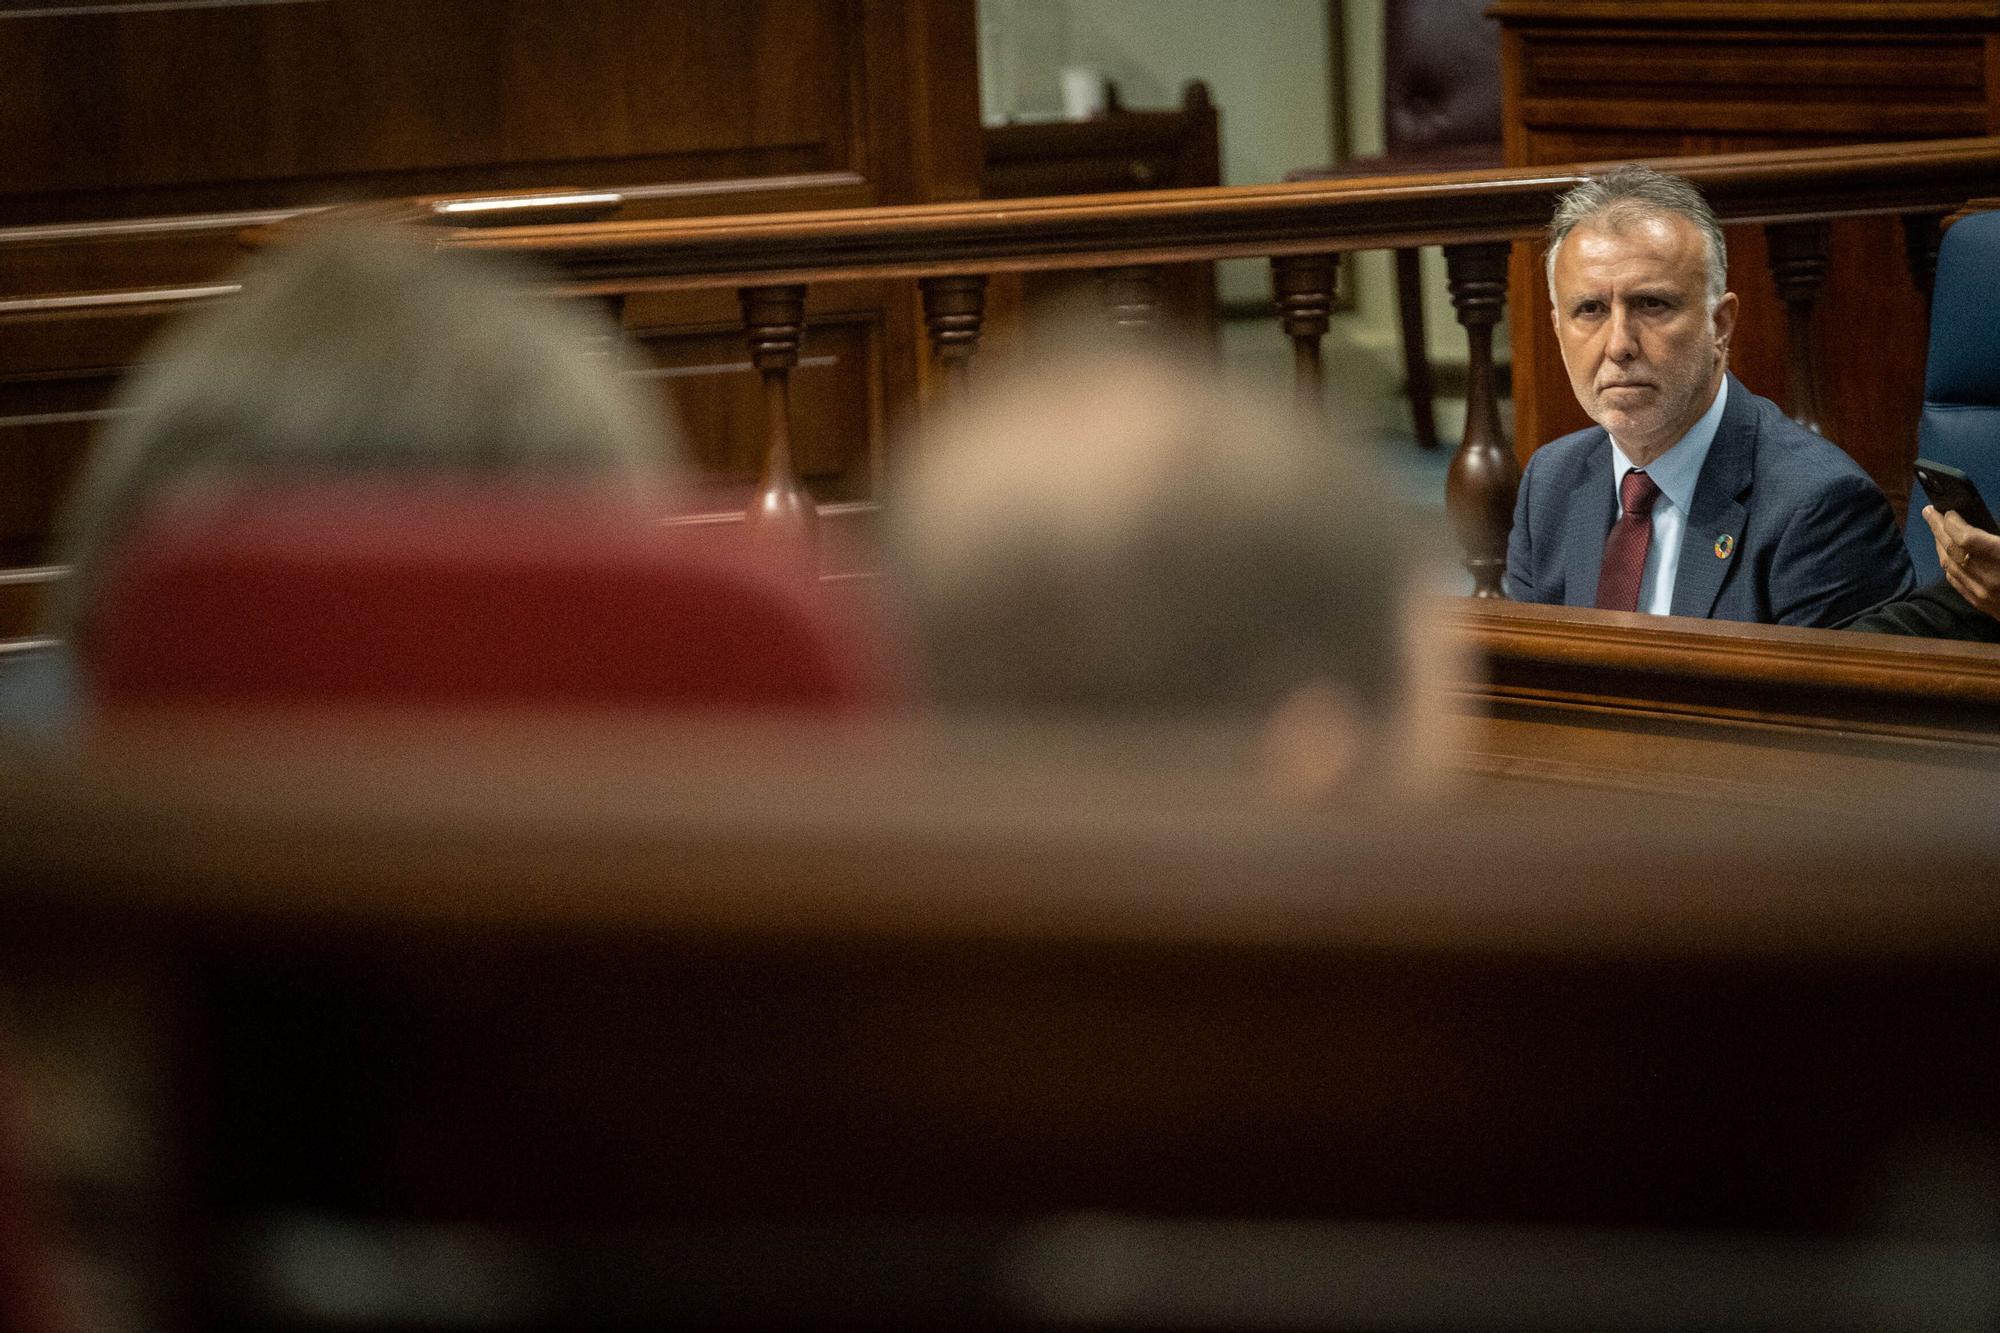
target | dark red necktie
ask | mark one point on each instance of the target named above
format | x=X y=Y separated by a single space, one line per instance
x=1625 y=548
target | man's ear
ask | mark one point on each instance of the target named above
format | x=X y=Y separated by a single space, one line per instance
x=1725 y=323
x=1310 y=743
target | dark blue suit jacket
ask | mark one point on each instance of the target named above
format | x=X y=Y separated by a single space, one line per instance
x=1810 y=539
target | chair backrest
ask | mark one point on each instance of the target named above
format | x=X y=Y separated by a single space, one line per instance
x=467 y=596
x=1961 y=420
x=1441 y=75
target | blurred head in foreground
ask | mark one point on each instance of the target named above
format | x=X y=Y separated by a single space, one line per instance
x=360 y=352
x=1129 y=539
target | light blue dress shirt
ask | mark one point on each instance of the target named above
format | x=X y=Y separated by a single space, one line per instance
x=1675 y=472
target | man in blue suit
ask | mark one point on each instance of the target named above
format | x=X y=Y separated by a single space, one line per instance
x=1691 y=496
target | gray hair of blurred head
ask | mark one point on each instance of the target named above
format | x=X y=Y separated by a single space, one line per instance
x=1134 y=538
x=1634 y=193
x=365 y=352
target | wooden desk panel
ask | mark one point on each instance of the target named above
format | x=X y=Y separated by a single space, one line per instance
x=1804 y=719
x=625 y=997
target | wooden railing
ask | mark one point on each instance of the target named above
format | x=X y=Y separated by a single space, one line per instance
x=949 y=249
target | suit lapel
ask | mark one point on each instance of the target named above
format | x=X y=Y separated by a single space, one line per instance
x=1591 y=513
x=1714 y=535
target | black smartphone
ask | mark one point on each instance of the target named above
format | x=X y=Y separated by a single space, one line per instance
x=1953 y=493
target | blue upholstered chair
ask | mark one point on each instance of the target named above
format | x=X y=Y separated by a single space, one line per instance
x=1961 y=421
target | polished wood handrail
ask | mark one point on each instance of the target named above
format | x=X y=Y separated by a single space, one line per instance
x=1726 y=652
x=1301 y=217
x=1571 y=670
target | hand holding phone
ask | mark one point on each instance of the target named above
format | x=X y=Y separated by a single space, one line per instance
x=1952 y=492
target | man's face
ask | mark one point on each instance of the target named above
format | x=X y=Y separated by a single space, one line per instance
x=1643 y=353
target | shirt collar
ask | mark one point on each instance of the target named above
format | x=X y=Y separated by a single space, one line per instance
x=1677 y=470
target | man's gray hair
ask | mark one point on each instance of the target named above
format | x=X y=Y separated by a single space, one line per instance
x=1629 y=194
x=1123 y=538
x=365 y=352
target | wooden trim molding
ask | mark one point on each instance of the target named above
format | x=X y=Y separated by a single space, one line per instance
x=1823 y=682
x=1717 y=650
x=1842 y=12
x=1167 y=226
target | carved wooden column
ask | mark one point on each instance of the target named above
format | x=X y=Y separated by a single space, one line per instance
x=774 y=319
x=954 y=310
x=1479 y=489
x=1798 y=266
x=1302 y=286
x=1131 y=297
x=1921 y=234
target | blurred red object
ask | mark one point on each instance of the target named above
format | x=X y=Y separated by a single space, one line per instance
x=470 y=595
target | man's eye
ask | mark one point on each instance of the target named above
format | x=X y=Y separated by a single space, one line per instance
x=1590 y=308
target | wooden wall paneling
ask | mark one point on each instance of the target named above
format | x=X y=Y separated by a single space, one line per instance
x=1582 y=82
x=112 y=255
x=45 y=431
x=1116 y=152
x=704 y=377
x=695 y=342
x=251 y=106
x=60 y=360
x=922 y=99
x=24 y=591
x=141 y=143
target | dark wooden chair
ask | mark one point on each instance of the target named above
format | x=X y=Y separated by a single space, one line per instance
x=1441 y=95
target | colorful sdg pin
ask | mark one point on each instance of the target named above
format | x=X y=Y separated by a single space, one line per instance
x=1724 y=545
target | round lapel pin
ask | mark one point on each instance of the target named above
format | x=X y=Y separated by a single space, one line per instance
x=1724 y=545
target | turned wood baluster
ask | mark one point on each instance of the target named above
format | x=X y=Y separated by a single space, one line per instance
x=1921 y=233
x=1798 y=266
x=1480 y=486
x=1302 y=286
x=954 y=310
x=774 y=320
x=1131 y=297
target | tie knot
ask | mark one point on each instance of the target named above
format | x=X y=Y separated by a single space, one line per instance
x=1637 y=493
